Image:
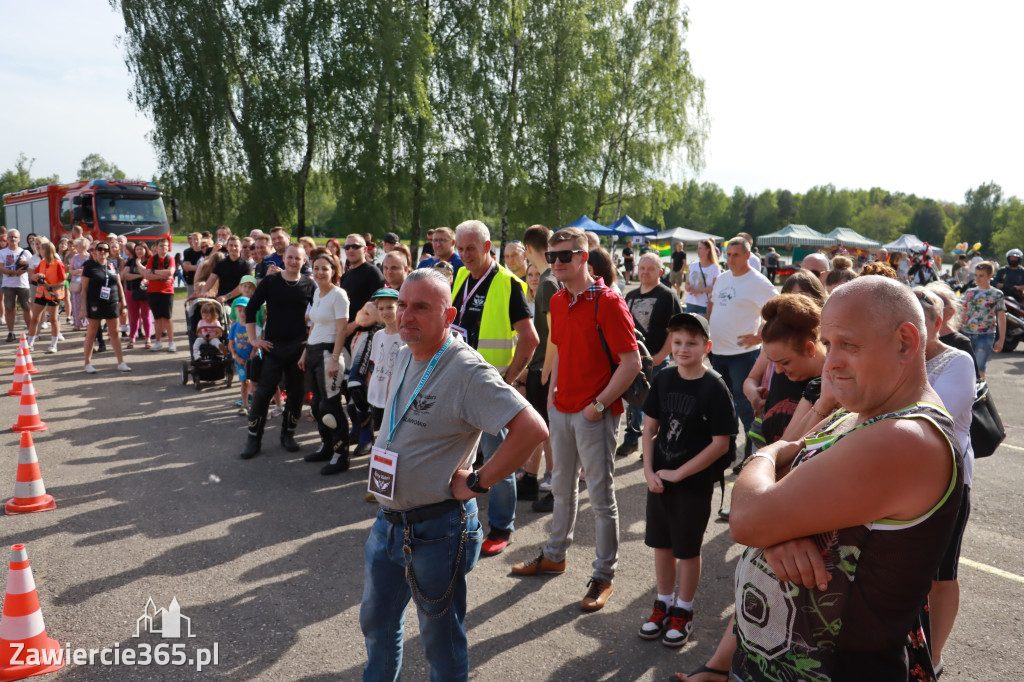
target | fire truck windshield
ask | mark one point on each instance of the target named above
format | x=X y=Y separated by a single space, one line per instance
x=129 y=210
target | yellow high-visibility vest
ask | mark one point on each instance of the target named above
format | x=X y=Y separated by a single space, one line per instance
x=496 y=341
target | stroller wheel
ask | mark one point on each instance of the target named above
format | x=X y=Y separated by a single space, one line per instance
x=230 y=377
x=195 y=379
x=184 y=374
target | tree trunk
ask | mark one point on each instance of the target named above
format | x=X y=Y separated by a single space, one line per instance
x=307 y=159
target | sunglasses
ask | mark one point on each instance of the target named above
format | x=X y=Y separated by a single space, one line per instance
x=102 y=249
x=353 y=247
x=560 y=256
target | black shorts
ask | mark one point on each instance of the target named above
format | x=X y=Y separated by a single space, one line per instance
x=46 y=302
x=160 y=305
x=677 y=519
x=537 y=393
x=101 y=310
x=951 y=559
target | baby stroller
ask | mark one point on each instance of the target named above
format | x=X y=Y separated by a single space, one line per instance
x=211 y=365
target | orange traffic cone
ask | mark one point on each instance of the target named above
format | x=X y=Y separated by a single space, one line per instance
x=29 y=491
x=28 y=411
x=19 y=374
x=27 y=352
x=25 y=648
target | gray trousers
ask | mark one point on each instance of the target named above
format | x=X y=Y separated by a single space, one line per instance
x=576 y=442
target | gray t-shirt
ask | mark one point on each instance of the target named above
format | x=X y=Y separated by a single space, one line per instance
x=440 y=432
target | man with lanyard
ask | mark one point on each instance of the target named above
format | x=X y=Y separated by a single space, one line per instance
x=1010 y=279
x=492 y=312
x=443 y=241
x=228 y=273
x=287 y=294
x=426 y=537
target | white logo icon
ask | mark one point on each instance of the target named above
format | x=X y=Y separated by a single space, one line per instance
x=170 y=620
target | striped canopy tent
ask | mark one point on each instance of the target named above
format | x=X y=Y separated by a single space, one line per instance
x=585 y=223
x=908 y=243
x=852 y=240
x=796 y=235
x=627 y=227
x=687 y=236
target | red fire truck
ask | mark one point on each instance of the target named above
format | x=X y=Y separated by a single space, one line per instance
x=131 y=208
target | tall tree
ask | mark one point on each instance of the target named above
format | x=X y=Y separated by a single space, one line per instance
x=976 y=224
x=95 y=166
x=929 y=223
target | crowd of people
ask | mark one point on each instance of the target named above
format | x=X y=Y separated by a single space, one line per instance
x=466 y=376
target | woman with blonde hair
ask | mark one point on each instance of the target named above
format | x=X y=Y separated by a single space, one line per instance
x=75 y=265
x=701 y=279
x=50 y=278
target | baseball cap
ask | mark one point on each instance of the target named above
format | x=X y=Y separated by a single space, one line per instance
x=385 y=293
x=248 y=279
x=390 y=238
x=690 y=321
x=240 y=301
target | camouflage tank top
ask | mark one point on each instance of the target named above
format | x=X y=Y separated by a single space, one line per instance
x=881 y=574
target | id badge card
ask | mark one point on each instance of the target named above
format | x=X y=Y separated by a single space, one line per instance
x=104 y=293
x=461 y=331
x=383 y=465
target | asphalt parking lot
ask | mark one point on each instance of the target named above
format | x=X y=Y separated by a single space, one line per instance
x=265 y=556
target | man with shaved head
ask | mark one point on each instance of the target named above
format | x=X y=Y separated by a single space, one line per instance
x=426 y=537
x=855 y=518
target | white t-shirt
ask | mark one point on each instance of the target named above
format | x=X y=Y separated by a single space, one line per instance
x=755 y=261
x=737 y=310
x=9 y=257
x=951 y=374
x=697 y=278
x=324 y=314
x=383 y=352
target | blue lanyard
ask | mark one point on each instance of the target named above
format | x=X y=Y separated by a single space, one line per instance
x=393 y=426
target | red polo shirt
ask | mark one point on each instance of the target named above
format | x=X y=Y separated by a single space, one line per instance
x=583 y=367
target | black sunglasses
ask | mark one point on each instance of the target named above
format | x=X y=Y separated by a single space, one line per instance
x=561 y=256
x=351 y=247
x=103 y=249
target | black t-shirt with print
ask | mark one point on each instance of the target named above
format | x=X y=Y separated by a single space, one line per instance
x=651 y=313
x=684 y=427
x=469 y=319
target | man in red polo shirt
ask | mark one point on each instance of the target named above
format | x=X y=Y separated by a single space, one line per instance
x=584 y=407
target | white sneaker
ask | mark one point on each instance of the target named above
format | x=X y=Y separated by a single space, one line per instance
x=52 y=349
x=30 y=341
x=171 y=348
x=60 y=337
x=545 y=483
x=44 y=325
x=123 y=367
x=157 y=346
x=89 y=369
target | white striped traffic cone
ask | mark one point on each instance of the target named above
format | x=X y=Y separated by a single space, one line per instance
x=25 y=648
x=28 y=411
x=27 y=352
x=29 y=491
x=19 y=374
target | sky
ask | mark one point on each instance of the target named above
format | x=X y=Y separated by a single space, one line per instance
x=915 y=97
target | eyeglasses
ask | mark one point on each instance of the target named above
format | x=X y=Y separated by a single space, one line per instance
x=353 y=247
x=102 y=249
x=560 y=256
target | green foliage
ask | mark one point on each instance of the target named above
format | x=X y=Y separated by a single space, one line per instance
x=1008 y=227
x=20 y=177
x=95 y=166
x=976 y=224
x=929 y=223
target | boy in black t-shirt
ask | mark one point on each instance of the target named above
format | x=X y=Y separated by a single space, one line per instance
x=689 y=419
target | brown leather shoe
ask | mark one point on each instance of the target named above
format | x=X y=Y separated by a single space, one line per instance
x=539 y=566
x=598 y=592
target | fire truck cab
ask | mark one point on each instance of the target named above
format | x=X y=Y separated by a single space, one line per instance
x=132 y=208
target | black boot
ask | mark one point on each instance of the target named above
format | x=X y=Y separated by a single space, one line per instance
x=252 y=445
x=322 y=454
x=289 y=422
x=327 y=439
x=339 y=462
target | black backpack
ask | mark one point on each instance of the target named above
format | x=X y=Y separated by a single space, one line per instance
x=637 y=392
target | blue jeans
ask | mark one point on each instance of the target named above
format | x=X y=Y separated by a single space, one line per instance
x=982 y=347
x=438 y=567
x=734 y=370
x=694 y=308
x=635 y=416
x=501 y=507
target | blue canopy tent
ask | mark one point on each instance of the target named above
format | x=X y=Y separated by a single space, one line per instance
x=588 y=225
x=627 y=227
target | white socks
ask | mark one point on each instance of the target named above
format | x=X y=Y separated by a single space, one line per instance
x=666 y=599
x=685 y=605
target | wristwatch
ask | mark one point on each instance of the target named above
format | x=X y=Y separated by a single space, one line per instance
x=473 y=483
x=599 y=406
